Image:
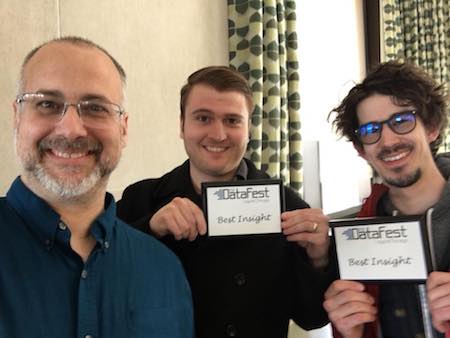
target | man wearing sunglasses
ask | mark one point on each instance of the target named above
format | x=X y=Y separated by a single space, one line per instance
x=396 y=119
x=68 y=266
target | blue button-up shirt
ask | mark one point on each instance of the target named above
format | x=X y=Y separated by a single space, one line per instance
x=130 y=286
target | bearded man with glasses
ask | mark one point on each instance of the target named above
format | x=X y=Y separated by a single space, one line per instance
x=68 y=266
x=396 y=120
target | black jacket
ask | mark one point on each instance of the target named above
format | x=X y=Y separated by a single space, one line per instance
x=242 y=287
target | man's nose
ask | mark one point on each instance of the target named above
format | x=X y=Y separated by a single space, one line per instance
x=71 y=124
x=388 y=137
x=218 y=131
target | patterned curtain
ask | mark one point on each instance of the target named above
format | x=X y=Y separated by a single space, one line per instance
x=262 y=45
x=418 y=31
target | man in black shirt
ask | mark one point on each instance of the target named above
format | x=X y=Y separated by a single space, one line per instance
x=249 y=286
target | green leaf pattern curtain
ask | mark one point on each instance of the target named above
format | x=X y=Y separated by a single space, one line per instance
x=418 y=31
x=262 y=46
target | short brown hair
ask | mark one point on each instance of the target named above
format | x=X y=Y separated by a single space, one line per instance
x=222 y=79
x=407 y=84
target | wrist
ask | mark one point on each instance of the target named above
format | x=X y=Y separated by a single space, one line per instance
x=320 y=263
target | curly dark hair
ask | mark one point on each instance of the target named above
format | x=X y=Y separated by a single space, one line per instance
x=407 y=84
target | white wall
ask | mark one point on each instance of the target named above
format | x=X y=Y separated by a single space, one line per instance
x=158 y=42
x=332 y=60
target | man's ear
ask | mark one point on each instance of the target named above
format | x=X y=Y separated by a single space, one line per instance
x=16 y=114
x=124 y=129
x=432 y=133
x=181 y=126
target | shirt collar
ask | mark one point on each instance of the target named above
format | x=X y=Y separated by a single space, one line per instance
x=241 y=171
x=45 y=222
x=180 y=181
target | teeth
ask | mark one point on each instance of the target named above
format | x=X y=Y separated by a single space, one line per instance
x=68 y=155
x=394 y=158
x=215 y=149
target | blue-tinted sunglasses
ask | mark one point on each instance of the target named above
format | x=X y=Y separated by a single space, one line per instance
x=400 y=123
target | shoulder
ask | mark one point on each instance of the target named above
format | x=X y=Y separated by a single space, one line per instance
x=3 y=203
x=292 y=197
x=253 y=172
x=8 y=219
x=145 y=248
x=139 y=198
x=369 y=205
x=157 y=281
x=158 y=183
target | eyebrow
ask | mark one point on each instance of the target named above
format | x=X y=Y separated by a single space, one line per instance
x=208 y=111
x=390 y=116
x=56 y=93
x=60 y=94
x=202 y=110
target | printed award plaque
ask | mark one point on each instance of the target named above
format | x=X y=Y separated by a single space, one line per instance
x=382 y=249
x=243 y=207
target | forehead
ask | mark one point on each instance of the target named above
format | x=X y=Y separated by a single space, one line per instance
x=75 y=70
x=206 y=97
x=378 y=107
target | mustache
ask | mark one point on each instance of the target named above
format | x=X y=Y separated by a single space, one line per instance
x=386 y=151
x=63 y=144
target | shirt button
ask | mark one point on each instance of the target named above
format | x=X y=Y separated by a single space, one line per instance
x=231 y=330
x=106 y=244
x=240 y=279
x=400 y=313
x=84 y=274
x=62 y=225
x=88 y=336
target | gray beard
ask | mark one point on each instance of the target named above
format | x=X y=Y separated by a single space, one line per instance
x=66 y=190
x=404 y=182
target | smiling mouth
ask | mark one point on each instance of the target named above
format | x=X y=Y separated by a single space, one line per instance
x=395 y=153
x=215 y=149
x=63 y=148
x=397 y=157
x=69 y=155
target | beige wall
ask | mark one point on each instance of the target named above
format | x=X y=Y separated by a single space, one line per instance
x=158 y=42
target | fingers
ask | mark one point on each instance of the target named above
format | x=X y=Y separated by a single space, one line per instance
x=340 y=285
x=308 y=222
x=199 y=219
x=191 y=221
x=436 y=279
x=181 y=217
x=349 y=307
x=440 y=319
x=438 y=287
x=309 y=228
x=346 y=298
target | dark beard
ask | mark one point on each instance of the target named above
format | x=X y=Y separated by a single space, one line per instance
x=404 y=182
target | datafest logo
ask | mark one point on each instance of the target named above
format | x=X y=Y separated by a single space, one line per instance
x=252 y=192
x=380 y=232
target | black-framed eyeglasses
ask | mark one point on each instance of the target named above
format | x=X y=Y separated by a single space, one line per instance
x=400 y=123
x=51 y=108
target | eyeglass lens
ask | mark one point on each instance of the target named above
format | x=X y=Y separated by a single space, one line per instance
x=95 y=112
x=399 y=123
